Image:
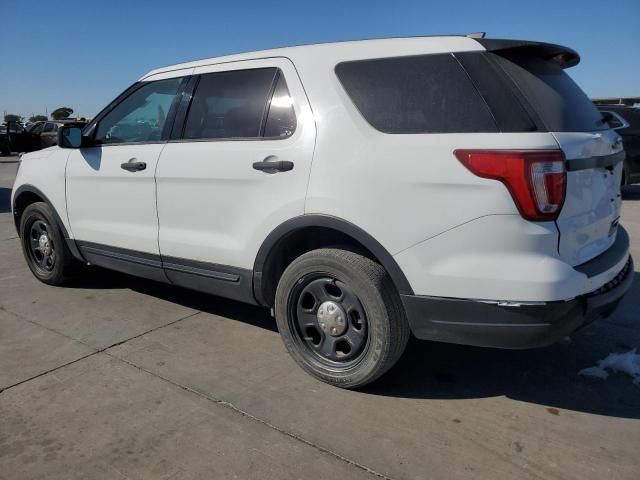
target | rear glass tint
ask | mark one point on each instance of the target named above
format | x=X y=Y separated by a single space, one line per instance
x=229 y=104
x=416 y=94
x=555 y=97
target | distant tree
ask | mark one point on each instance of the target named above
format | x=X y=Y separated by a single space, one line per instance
x=61 y=113
x=38 y=118
x=12 y=117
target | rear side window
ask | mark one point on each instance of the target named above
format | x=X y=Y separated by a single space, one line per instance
x=49 y=127
x=560 y=103
x=416 y=94
x=230 y=104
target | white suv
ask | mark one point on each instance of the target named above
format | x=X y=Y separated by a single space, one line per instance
x=462 y=189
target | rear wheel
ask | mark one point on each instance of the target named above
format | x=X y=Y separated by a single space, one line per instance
x=340 y=317
x=43 y=246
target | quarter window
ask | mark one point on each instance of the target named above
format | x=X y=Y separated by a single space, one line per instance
x=416 y=94
x=141 y=116
x=230 y=104
x=281 y=120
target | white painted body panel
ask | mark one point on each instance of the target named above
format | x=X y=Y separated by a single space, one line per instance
x=499 y=258
x=593 y=198
x=213 y=206
x=112 y=206
x=44 y=169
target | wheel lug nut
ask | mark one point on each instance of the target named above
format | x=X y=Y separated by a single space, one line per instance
x=334 y=330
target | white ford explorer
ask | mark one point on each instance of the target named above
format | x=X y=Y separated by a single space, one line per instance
x=465 y=190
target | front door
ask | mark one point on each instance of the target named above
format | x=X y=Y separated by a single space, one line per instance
x=111 y=191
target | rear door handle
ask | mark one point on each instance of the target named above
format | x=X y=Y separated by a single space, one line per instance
x=133 y=166
x=273 y=167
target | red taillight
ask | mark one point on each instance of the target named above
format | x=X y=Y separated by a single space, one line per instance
x=535 y=178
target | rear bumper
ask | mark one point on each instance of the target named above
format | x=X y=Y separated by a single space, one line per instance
x=509 y=325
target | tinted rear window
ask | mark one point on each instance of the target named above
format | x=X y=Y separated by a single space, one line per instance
x=416 y=94
x=554 y=96
x=229 y=104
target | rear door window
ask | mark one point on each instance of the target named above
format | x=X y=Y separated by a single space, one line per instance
x=416 y=94
x=554 y=96
x=230 y=104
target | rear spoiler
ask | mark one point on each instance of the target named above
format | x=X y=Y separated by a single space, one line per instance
x=563 y=56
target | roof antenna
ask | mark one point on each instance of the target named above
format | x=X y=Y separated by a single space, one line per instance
x=476 y=34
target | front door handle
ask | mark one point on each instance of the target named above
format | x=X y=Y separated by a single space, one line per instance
x=273 y=167
x=133 y=166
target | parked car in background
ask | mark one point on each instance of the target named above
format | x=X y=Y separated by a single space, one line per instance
x=49 y=134
x=13 y=138
x=465 y=190
x=626 y=121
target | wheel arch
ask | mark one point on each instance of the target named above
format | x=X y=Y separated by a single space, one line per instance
x=27 y=194
x=285 y=243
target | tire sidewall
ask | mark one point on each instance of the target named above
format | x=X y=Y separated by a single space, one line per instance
x=41 y=211
x=374 y=308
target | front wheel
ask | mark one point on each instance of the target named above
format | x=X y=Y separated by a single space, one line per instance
x=340 y=317
x=43 y=246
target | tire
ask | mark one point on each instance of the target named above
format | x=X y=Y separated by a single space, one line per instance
x=357 y=288
x=38 y=220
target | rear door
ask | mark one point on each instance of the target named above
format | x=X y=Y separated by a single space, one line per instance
x=588 y=220
x=216 y=202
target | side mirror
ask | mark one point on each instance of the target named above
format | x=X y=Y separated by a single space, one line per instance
x=69 y=137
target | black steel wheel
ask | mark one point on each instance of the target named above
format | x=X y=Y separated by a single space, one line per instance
x=43 y=245
x=328 y=319
x=340 y=317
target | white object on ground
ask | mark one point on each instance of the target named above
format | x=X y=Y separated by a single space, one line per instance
x=628 y=363
x=594 y=372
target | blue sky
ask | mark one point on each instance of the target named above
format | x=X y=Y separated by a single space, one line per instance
x=82 y=54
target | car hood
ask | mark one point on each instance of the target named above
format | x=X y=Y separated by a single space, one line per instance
x=44 y=153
